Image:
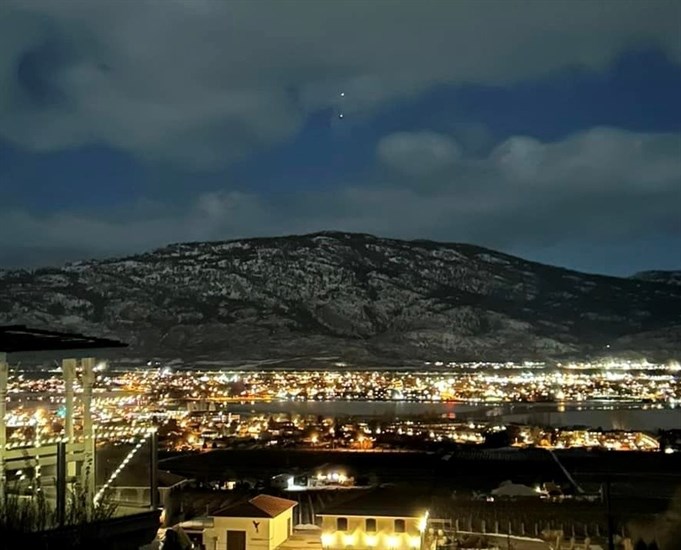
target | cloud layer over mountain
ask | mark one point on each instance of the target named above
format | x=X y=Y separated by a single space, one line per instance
x=188 y=89
x=520 y=189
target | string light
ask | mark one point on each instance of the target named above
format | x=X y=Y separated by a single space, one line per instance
x=124 y=463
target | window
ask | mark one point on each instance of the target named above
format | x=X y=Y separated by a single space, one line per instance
x=341 y=524
x=399 y=526
x=370 y=525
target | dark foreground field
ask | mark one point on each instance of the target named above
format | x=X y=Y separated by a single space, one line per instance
x=463 y=470
x=642 y=484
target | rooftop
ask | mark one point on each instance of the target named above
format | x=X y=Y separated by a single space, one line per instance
x=380 y=502
x=262 y=506
x=21 y=339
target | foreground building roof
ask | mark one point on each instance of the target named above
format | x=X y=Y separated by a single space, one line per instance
x=20 y=339
x=380 y=502
x=262 y=506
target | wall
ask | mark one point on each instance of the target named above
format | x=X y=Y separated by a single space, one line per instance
x=279 y=528
x=259 y=540
x=384 y=538
x=271 y=532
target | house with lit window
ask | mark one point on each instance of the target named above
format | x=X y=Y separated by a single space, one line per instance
x=378 y=519
x=261 y=523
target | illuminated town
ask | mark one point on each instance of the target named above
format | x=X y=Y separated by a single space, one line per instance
x=195 y=410
x=191 y=444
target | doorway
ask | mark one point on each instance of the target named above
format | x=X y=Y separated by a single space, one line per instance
x=236 y=540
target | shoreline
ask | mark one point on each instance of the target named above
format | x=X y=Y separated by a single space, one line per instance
x=607 y=415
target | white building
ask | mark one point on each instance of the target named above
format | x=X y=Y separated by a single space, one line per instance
x=378 y=519
x=262 y=523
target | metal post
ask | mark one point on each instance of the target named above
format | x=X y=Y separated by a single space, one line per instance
x=4 y=371
x=68 y=367
x=611 y=523
x=88 y=469
x=61 y=483
x=153 y=469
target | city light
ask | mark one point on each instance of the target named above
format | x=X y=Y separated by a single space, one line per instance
x=193 y=409
x=423 y=522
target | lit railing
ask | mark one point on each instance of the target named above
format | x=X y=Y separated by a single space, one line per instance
x=122 y=465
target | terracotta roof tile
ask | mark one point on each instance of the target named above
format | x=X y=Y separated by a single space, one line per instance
x=273 y=506
x=241 y=510
x=262 y=506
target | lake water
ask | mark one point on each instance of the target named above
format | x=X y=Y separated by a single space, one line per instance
x=626 y=416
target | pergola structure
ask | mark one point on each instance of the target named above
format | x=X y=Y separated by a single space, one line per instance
x=74 y=459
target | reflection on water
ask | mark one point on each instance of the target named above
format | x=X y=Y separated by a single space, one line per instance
x=629 y=416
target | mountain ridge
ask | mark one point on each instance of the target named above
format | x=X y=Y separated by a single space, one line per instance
x=669 y=277
x=348 y=295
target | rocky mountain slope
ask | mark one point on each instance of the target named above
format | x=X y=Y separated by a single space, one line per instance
x=668 y=277
x=352 y=296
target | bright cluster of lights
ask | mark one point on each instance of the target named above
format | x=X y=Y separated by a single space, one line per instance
x=462 y=382
x=330 y=539
x=191 y=405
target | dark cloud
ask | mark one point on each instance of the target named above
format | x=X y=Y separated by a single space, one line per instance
x=418 y=153
x=198 y=83
x=202 y=82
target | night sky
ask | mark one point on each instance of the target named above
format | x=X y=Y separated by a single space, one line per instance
x=547 y=129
